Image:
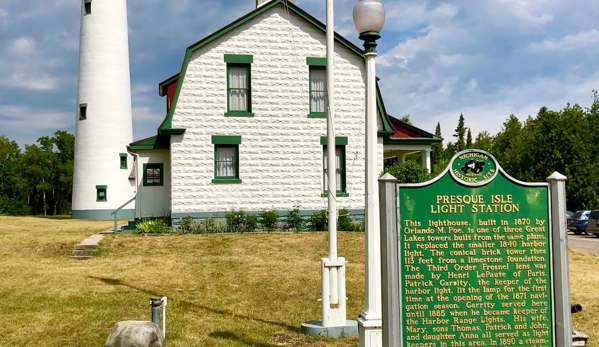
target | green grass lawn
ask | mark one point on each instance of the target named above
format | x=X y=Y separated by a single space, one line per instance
x=223 y=290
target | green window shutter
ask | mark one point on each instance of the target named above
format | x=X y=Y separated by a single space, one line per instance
x=153 y=174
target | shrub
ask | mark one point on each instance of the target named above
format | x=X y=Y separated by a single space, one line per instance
x=344 y=221
x=359 y=225
x=238 y=221
x=408 y=172
x=187 y=224
x=268 y=219
x=293 y=220
x=152 y=226
x=235 y=220
x=197 y=228
x=214 y=226
x=14 y=207
x=318 y=221
x=251 y=222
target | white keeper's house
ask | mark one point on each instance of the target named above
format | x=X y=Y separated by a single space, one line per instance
x=245 y=124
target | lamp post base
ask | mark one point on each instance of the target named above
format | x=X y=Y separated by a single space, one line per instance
x=371 y=332
x=315 y=328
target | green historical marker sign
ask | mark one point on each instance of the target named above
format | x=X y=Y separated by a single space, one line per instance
x=475 y=258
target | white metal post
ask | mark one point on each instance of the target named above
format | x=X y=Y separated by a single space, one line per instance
x=331 y=163
x=426 y=159
x=369 y=18
x=391 y=329
x=370 y=319
x=333 y=321
x=333 y=267
x=559 y=237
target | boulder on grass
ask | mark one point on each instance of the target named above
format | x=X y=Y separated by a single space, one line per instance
x=135 y=334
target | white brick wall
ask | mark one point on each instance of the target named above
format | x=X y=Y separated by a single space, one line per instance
x=280 y=154
x=153 y=201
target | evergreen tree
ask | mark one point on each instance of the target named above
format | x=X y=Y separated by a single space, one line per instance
x=460 y=134
x=436 y=148
x=469 y=139
x=484 y=141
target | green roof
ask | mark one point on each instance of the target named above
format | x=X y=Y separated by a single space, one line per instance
x=153 y=142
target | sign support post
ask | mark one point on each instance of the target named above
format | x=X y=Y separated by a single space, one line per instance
x=563 y=318
x=389 y=260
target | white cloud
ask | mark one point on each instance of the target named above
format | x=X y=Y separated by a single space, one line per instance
x=16 y=123
x=29 y=82
x=582 y=40
x=402 y=16
x=148 y=116
x=13 y=116
x=437 y=58
x=472 y=84
x=22 y=46
x=529 y=12
x=489 y=60
x=67 y=40
x=446 y=10
x=451 y=60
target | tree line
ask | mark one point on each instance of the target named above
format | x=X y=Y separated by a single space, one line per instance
x=39 y=180
x=565 y=141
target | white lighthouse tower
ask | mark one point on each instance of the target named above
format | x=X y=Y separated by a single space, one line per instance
x=104 y=124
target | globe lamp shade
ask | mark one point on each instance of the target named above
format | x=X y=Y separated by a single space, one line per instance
x=369 y=15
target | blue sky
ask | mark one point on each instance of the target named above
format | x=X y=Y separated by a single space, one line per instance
x=485 y=59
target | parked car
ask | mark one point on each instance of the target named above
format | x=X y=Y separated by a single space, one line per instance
x=593 y=223
x=569 y=215
x=578 y=222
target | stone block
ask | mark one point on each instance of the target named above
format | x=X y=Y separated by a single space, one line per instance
x=135 y=334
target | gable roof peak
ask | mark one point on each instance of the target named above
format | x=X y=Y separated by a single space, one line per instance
x=262 y=2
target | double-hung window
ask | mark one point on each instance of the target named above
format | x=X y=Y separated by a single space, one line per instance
x=153 y=174
x=318 y=87
x=239 y=89
x=226 y=159
x=340 y=166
